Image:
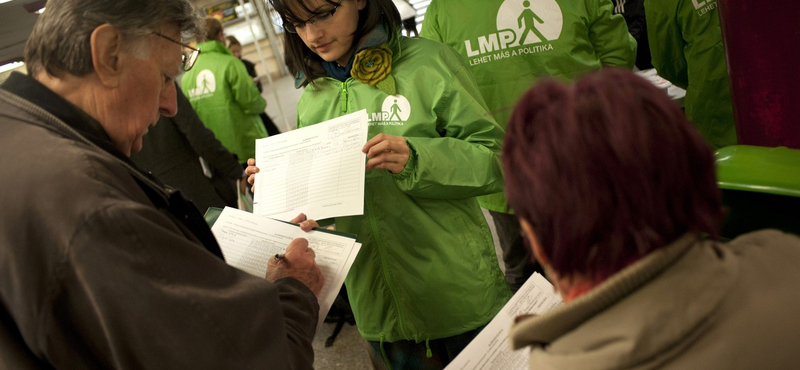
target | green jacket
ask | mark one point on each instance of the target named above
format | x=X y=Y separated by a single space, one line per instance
x=581 y=36
x=687 y=50
x=427 y=268
x=225 y=98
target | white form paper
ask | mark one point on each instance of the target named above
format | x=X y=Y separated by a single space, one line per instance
x=317 y=170
x=490 y=350
x=248 y=241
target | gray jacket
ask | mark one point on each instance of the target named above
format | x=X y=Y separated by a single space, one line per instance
x=693 y=305
x=102 y=267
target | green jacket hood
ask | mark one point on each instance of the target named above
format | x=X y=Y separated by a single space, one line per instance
x=213 y=46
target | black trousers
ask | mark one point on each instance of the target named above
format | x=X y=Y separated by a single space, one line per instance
x=517 y=256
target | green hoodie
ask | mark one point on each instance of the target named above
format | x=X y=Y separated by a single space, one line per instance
x=687 y=50
x=226 y=99
x=579 y=36
x=427 y=268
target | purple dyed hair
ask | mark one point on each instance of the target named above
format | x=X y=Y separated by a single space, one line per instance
x=606 y=171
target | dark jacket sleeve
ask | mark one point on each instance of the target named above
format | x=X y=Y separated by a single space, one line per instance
x=203 y=141
x=251 y=70
x=135 y=292
x=299 y=320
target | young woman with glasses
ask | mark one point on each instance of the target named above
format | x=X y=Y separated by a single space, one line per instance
x=427 y=278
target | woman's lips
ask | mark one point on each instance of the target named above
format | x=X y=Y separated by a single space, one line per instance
x=324 y=47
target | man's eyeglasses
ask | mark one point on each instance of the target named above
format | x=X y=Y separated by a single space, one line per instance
x=188 y=60
x=319 y=19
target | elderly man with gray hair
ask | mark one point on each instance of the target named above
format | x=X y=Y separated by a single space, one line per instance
x=101 y=265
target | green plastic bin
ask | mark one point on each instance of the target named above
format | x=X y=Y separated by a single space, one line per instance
x=760 y=188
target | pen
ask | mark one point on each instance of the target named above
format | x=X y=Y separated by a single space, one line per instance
x=279 y=256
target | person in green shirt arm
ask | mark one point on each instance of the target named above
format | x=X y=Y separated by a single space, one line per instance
x=686 y=46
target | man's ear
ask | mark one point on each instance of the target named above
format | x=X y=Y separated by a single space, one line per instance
x=538 y=253
x=106 y=43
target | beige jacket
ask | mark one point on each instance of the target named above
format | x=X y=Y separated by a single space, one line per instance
x=693 y=305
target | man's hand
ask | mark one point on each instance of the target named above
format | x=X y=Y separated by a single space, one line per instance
x=388 y=152
x=298 y=263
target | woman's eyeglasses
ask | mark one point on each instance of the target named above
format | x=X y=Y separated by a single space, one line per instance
x=188 y=60
x=320 y=19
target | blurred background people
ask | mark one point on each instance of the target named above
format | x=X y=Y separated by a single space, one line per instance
x=236 y=49
x=686 y=47
x=181 y=152
x=633 y=12
x=616 y=197
x=510 y=44
x=408 y=17
x=224 y=95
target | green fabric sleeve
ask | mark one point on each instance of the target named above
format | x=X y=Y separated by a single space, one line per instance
x=430 y=25
x=463 y=162
x=245 y=92
x=609 y=35
x=666 y=42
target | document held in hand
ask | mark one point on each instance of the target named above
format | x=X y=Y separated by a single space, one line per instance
x=248 y=241
x=491 y=349
x=317 y=170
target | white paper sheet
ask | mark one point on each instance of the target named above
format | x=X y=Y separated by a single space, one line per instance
x=491 y=350
x=317 y=170
x=248 y=241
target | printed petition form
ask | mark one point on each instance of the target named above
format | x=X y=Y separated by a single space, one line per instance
x=248 y=241
x=491 y=349
x=317 y=170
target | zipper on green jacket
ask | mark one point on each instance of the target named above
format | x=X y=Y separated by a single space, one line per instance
x=381 y=252
x=343 y=97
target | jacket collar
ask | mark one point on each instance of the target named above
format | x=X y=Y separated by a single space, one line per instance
x=213 y=46
x=637 y=315
x=57 y=114
x=30 y=89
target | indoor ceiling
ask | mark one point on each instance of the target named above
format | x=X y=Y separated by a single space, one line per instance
x=16 y=23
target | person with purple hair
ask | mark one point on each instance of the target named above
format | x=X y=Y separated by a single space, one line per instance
x=618 y=200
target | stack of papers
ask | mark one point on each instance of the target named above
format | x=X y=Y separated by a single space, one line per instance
x=317 y=170
x=491 y=348
x=248 y=241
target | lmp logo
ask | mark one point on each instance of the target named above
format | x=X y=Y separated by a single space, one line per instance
x=519 y=23
x=395 y=110
x=205 y=84
x=704 y=6
x=698 y=5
